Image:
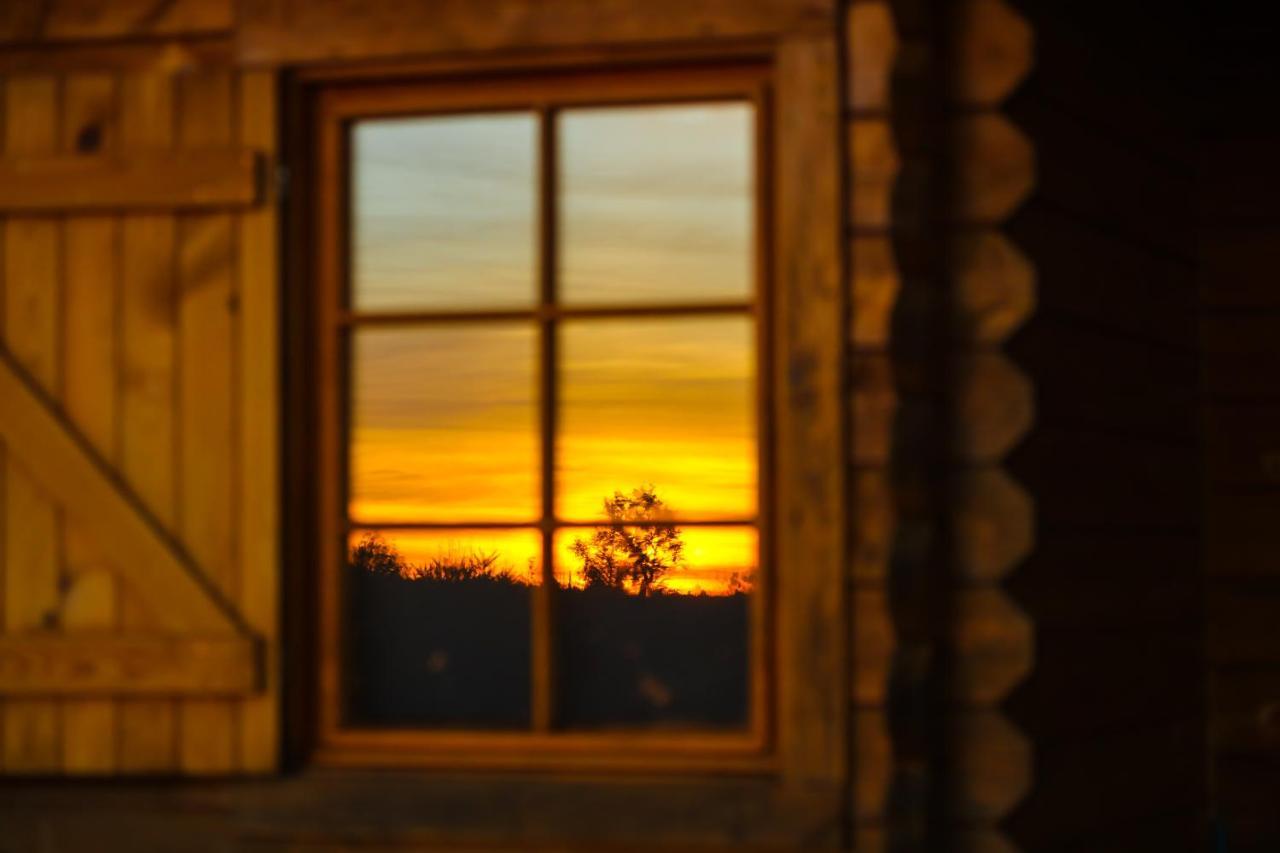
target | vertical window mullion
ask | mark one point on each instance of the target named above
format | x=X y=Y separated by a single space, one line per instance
x=543 y=699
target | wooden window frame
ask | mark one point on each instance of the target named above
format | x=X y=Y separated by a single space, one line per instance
x=800 y=729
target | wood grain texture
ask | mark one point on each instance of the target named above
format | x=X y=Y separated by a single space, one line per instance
x=871 y=48
x=279 y=31
x=109 y=664
x=67 y=470
x=67 y=20
x=90 y=287
x=259 y=361
x=32 y=728
x=148 y=460
x=810 y=324
x=207 y=402
x=164 y=181
x=876 y=283
x=874 y=165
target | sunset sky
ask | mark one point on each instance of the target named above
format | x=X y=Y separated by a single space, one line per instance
x=655 y=206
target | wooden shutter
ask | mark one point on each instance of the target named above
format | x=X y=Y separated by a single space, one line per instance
x=138 y=423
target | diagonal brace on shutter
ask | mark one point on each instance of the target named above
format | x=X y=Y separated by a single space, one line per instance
x=139 y=550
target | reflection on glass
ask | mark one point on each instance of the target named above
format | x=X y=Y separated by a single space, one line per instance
x=674 y=653
x=667 y=403
x=656 y=203
x=444 y=423
x=444 y=212
x=438 y=627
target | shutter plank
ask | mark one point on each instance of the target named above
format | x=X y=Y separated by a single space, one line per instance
x=148 y=732
x=89 y=366
x=32 y=728
x=206 y=336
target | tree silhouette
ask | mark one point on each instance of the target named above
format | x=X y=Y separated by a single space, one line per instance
x=636 y=549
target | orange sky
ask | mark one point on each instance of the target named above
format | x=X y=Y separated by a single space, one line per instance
x=655 y=205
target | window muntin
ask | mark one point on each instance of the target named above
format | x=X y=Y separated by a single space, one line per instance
x=717 y=529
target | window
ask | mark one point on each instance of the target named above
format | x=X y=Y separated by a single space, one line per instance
x=544 y=420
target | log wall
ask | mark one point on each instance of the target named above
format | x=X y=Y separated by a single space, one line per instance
x=1239 y=247
x=1115 y=705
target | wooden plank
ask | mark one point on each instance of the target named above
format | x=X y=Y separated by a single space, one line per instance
x=1084 y=683
x=873 y=409
x=1240 y=355
x=1151 y=580
x=88 y=725
x=206 y=403
x=91 y=19
x=874 y=523
x=1089 y=277
x=1092 y=479
x=32 y=729
x=148 y=735
x=1235 y=264
x=1246 y=709
x=810 y=324
x=872 y=765
x=1242 y=622
x=259 y=361
x=874 y=645
x=875 y=287
x=874 y=165
x=1242 y=444
x=871 y=48
x=1092 y=378
x=89 y=122
x=68 y=471
x=191 y=180
x=1240 y=534
x=145 y=57
x=280 y=31
x=111 y=664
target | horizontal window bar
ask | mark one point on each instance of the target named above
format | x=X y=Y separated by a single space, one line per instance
x=361 y=524
x=555 y=312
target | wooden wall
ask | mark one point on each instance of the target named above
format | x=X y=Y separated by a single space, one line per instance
x=935 y=171
x=1239 y=245
x=1114 y=706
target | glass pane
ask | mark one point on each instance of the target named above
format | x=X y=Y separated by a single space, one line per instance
x=438 y=627
x=444 y=424
x=654 y=625
x=661 y=403
x=444 y=212
x=656 y=203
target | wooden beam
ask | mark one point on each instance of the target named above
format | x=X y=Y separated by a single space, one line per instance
x=283 y=31
x=76 y=20
x=153 y=180
x=103 y=663
x=137 y=548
